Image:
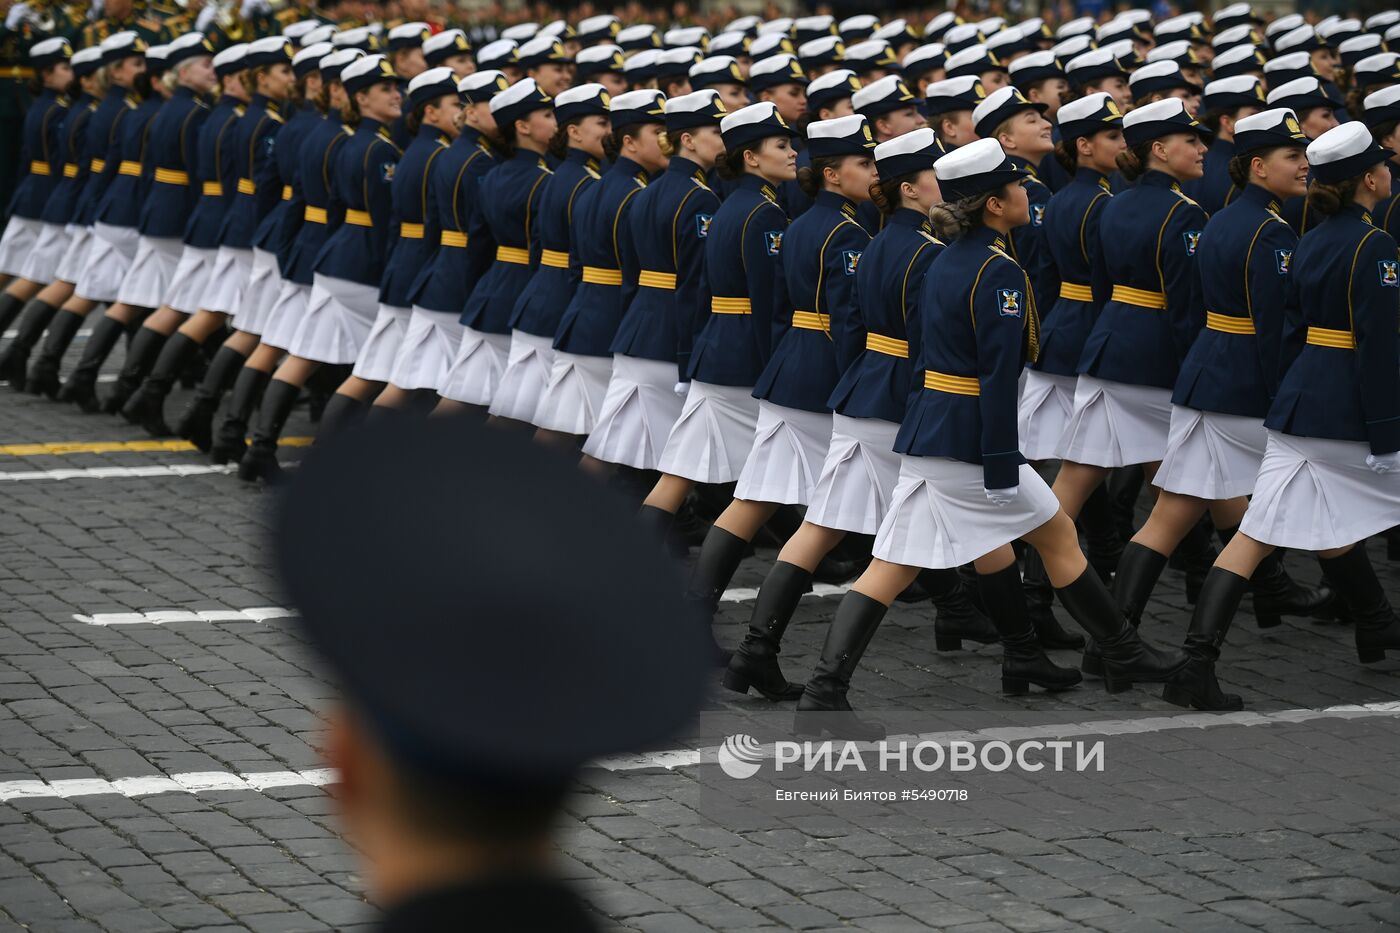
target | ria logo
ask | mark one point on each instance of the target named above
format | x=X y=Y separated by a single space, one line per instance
x=739 y=756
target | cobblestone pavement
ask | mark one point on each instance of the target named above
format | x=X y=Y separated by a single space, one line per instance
x=162 y=774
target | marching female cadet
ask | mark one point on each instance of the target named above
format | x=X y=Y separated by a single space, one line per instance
x=345 y=288
x=816 y=336
x=322 y=214
x=275 y=234
x=861 y=467
x=1025 y=136
x=670 y=222
x=1307 y=98
x=118 y=257
x=734 y=327
x=1099 y=71
x=1148 y=238
x=964 y=491
x=581 y=114
x=171 y=145
x=721 y=74
x=1330 y=476
x=949 y=107
x=449 y=49
x=29 y=250
x=602 y=247
x=216 y=175
x=48 y=281
x=243 y=274
x=123 y=58
x=433 y=108
x=1230 y=374
x=524 y=117
x=1224 y=103
x=1381 y=112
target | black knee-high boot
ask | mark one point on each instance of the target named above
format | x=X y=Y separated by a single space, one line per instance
x=1195 y=684
x=1126 y=657
x=81 y=385
x=755 y=664
x=719 y=557
x=1138 y=571
x=230 y=442
x=1276 y=594
x=14 y=361
x=43 y=372
x=657 y=524
x=147 y=406
x=342 y=412
x=1023 y=660
x=1040 y=597
x=823 y=706
x=141 y=354
x=956 y=617
x=1124 y=486
x=260 y=461
x=196 y=423
x=1377 y=627
x=10 y=307
x=1102 y=545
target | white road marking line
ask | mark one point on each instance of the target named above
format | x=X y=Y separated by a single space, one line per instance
x=196 y=782
x=682 y=758
x=265 y=613
x=13 y=332
x=173 y=469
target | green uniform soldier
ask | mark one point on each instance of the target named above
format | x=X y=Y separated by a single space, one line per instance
x=123 y=15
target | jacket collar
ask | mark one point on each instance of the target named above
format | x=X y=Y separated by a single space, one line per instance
x=1258 y=194
x=758 y=183
x=836 y=202
x=1153 y=178
x=1092 y=176
x=908 y=217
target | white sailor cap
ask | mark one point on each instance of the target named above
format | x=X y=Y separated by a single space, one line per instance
x=858 y=27
x=1344 y=152
x=838 y=84
x=1160 y=118
x=1302 y=39
x=542 y=50
x=1381 y=68
x=686 y=35
x=641 y=36
x=870 y=55
x=848 y=135
x=1239 y=59
x=1285 y=23
x=1301 y=94
x=782 y=24
x=323 y=32
x=810 y=27
x=888 y=94
x=594 y=28
x=924 y=59
x=600 y=59
x=675 y=64
x=972 y=61
x=439 y=48
x=1075 y=27
x=48 y=52
x=1159 y=76
x=408 y=36
x=698 y=108
x=480 y=86
x=716 y=69
x=498 y=54
x=769 y=45
x=976 y=168
x=951 y=94
x=1357 y=47
x=896 y=32
x=230 y=60
x=1072 y=47
x=269 y=50
x=821 y=50
x=1335 y=29
x=1178 y=50
x=730 y=43
x=119 y=45
x=1093 y=66
x=1243 y=34
x=644 y=106
x=520 y=32
x=752 y=123
x=1227 y=15
x=1382 y=106
x=431 y=85
x=1382 y=21
x=641 y=65
x=295 y=31
x=359 y=37
x=1187 y=26
x=1000 y=106
x=1088 y=115
x=959 y=37
x=582 y=101
x=776 y=70
x=308 y=59
x=1233 y=92
x=911 y=152
x=519 y=100
x=333 y=64
x=366 y=72
x=1268 y=128
x=1033 y=67
x=86 y=61
x=940 y=24
x=744 y=24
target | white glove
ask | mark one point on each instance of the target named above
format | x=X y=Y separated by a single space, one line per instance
x=1001 y=497
x=206 y=17
x=682 y=389
x=15 y=18
x=1384 y=463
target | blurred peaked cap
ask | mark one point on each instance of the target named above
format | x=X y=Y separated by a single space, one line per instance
x=1074 y=46
x=602 y=58
x=730 y=43
x=1235 y=12
x=640 y=65
x=1268 y=128
x=925 y=58
x=643 y=106
x=872 y=53
x=1237 y=91
x=1381 y=68
x=604 y=25
x=848 y=135
x=826 y=48
x=1382 y=21
x=431 y=85
x=1382 y=106
x=1243 y=34
x=883 y=96
x=1088 y=115
x=940 y=24
x=776 y=70
x=638 y=37
x=409 y=36
x=860 y=25
x=959 y=37
x=1355 y=48
x=1075 y=27
x=47 y=52
x=770 y=44
x=520 y=32
x=1158 y=119
x=323 y=32
x=308 y=59
x=744 y=24
x=542 y=50
x=914 y=151
x=333 y=64
x=86 y=61
x=439 y=48
x=516 y=586
x=1293 y=61
x=685 y=35
x=1035 y=66
x=973 y=169
x=752 y=123
x=1344 y=152
x=360 y=37
x=1335 y=30
x=582 y=100
x=782 y=24
x=834 y=85
x=300 y=28
x=715 y=69
x=676 y=63
x=518 y=100
x=1300 y=94
x=1285 y=23
x=1178 y=50
x=895 y=31
x=696 y=109
x=272 y=50
x=366 y=72
x=229 y=60
x=973 y=61
x=809 y=27
x=559 y=29
x=497 y=54
x=999 y=106
x=1302 y=39
x=480 y=86
x=950 y=94
x=122 y=45
x=1158 y=76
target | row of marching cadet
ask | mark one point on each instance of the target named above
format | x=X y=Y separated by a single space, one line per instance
x=886 y=282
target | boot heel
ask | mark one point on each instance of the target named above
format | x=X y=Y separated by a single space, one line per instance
x=1370 y=655
x=1091 y=664
x=1177 y=695
x=1015 y=686
x=1267 y=619
x=736 y=682
x=1113 y=684
x=947 y=642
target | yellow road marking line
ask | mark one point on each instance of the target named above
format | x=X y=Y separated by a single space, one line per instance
x=61 y=448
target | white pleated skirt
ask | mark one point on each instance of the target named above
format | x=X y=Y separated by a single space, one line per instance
x=259 y=294
x=288 y=308
x=191 y=279
x=70 y=267
x=858 y=478
x=574 y=394
x=337 y=320
x=426 y=352
x=1313 y=494
x=639 y=410
x=527 y=372
x=476 y=368
x=20 y=238
x=376 y=360
x=148 y=279
x=1115 y=424
x=789 y=448
x=224 y=290
x=109 y=257
x=940 y=516
x=713 y=434
x=41 y=265
x=1210 y=455
x=1043 y=412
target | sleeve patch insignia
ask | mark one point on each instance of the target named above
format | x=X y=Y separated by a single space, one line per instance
x=1037 y=214
x=1283 y=258
x=386 y=171
x=773 y=240
x=702 y=224
x=1009 y=302
x=850 y=258
x=1192 y=238
x=1390 y=273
